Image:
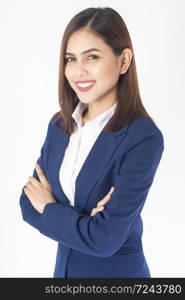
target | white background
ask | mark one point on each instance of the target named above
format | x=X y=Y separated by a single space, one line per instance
x=30 y=38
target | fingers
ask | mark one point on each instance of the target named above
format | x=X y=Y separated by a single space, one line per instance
x=106 y=198
x=112 y=189
x=32 y=180
x=27 y=191
x=96 y=210
x=40 y=173
x=100 y=205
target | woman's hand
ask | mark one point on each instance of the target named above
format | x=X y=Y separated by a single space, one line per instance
x=39 y=192
x=100 y=205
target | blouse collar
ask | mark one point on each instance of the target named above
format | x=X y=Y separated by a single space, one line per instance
x=99 y=121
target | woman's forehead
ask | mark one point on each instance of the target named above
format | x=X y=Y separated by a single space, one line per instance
x=83 y=41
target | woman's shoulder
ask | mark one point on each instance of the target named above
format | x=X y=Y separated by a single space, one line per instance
x=144 y=127
x=142 y=123
x=56 y=119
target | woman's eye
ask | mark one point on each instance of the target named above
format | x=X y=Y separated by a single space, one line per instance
x=95 y=56
x=67 y=59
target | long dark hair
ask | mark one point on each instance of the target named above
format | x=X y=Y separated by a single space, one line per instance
x=109 y=25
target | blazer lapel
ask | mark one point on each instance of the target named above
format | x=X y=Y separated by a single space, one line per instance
x=97 y=159
x=95 y=163
x=59 y=146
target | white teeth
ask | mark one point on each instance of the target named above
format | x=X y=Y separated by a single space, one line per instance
x=83 y=85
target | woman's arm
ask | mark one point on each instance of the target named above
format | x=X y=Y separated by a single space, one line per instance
x=103 y=234
x=29 y=213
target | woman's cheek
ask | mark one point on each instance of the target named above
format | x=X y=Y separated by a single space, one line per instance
x=68 y=75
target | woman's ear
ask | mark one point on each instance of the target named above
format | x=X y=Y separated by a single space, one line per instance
x=126 y=58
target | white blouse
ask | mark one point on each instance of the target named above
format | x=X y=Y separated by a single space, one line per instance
x=79 y=146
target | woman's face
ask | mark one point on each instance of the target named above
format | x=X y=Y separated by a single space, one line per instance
x=101 y=67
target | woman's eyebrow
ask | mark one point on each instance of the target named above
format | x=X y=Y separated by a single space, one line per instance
x=83 y=52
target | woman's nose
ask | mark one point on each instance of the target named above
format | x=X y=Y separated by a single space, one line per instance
x=81 y=69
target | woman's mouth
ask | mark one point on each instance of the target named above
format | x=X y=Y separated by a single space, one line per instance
x=84 y=86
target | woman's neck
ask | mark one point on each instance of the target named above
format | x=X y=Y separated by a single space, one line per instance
x=91 y=112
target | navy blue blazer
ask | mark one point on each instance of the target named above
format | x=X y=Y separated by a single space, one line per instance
x=108 y=244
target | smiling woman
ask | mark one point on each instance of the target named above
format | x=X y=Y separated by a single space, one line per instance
x=96 y=50
x=87 y=72
x=99 y=157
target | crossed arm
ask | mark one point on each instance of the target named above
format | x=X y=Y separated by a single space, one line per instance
x=40 y=194
x=105 y=232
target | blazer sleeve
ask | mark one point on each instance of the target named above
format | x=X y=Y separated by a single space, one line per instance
x=103 y=234
x=29 y=213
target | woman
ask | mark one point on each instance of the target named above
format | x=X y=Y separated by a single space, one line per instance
x=99 y=157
